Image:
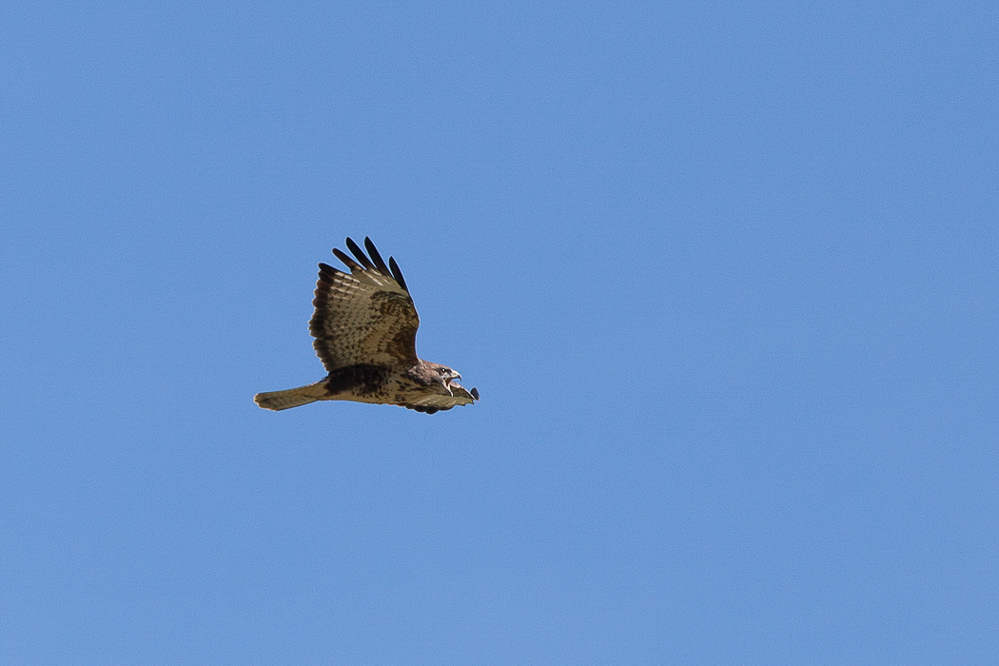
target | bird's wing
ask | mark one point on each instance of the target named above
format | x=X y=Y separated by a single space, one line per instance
x=435 y=402
x=365 y=316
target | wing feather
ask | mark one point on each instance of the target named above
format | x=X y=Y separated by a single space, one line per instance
x=377 y=258
x=396 y=273
x=352 y=246
x=348 y=262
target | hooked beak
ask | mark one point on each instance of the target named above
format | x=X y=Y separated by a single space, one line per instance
x=446 y=382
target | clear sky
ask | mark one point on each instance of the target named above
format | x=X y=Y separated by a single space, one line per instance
x=724 y=273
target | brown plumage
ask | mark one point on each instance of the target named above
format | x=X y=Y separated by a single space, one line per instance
x=365 y=329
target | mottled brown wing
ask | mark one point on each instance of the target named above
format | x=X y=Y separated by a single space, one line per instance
x=436 y=402
x=365 y=316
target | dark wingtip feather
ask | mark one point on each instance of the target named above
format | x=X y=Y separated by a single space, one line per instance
x=475 y=393
x=377 y=258
x=327 y=272
x=352 y=246
x=397 y=274
x=326 y=268
x=347 y=261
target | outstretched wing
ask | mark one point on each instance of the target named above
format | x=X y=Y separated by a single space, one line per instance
x=365 y=316
x=435 y=402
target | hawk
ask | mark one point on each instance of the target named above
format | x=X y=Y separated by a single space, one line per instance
x=365 y=334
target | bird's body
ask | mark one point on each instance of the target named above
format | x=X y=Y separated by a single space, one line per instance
x=365 y=334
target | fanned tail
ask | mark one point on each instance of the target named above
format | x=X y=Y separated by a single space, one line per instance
x=303 y=395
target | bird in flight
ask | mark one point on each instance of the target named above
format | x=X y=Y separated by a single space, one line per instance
x=365 y=334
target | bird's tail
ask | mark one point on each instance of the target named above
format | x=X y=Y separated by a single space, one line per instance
x=303 y=395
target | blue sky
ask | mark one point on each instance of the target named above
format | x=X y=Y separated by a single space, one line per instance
x=724 y=273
